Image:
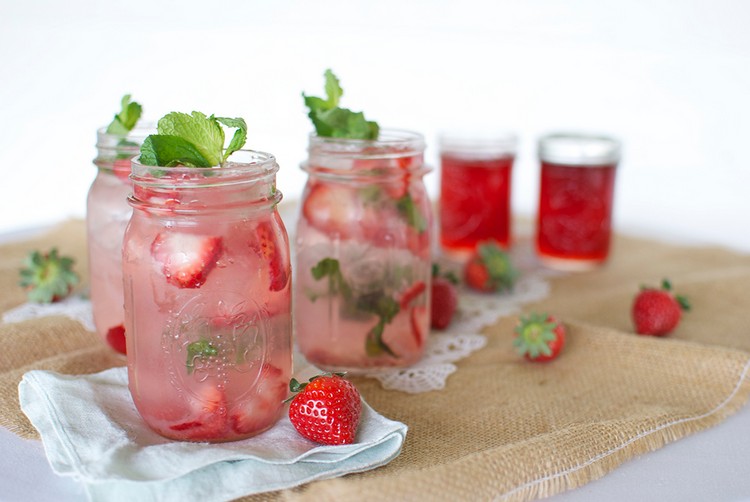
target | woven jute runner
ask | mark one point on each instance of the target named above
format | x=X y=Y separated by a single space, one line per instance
x=503 y=428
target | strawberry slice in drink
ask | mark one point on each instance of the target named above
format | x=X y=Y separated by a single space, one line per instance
x=269 y=246
x=186 y=259
x=330 y=208
x=263 y=409
x=210 y=417
x=418 y=322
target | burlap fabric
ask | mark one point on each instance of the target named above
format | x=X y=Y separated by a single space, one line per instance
x=502 y=429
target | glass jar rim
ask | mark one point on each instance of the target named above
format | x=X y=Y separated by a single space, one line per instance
x=137 y=135
x=391 y=142
x=579 y=149
x=243 y=166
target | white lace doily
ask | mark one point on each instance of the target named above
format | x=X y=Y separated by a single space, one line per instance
x=76 y=308
x=432 y=371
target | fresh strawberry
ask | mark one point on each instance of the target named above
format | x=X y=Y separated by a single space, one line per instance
x=268 y=244
x=186 y=259
x=116 y=338
x=444 y=298
x=539 y=337
x=326 y=410
x=489 y=269
x=658 y=311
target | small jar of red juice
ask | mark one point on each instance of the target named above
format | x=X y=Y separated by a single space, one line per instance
x=475 y=190
x=575 y=202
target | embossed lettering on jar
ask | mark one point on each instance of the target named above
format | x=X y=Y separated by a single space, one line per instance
x=363 y=266
x=207 y=283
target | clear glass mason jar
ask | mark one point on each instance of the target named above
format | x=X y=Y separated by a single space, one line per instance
x=207 y=284
x=107 y=215
x=363 y=253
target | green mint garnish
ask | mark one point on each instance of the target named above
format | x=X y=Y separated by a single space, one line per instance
x=192 y=140
x=386 y=309
x=200 y=349
x=410 y=212
x=329 y=267
x=125 y=121
x=375 y=302
x=330 y=120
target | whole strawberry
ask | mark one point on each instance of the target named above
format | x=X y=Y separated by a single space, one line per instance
x=444 y=298
x=657 y=312
x=539 y=337
x=326 y=410
x=489 y=269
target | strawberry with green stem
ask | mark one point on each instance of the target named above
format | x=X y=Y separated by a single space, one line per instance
x=489 y=269
x=657 y=312
x=539 y=337
x=326 y=409
x=48 y=277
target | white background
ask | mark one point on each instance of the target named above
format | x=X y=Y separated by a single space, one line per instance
x=671 y=79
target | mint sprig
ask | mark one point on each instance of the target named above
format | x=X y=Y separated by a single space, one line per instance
x=125 y=121
x=376 y=303
x=192 y=140
x=201 y=349
x=331 y=120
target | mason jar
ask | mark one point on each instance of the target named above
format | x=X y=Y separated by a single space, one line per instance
x=363 y=253
x=107 y=215
x=475 y=190
x=574 y=225
x=207 y=284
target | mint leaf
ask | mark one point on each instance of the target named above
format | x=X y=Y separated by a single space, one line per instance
x=240 y=135
x=125 y=121
x=330 y=120
x=410 y=212
x=192 y=140
x=170 y=151
x=333 y=89
x=205 y=133
x=201 y=349
x=329 y=267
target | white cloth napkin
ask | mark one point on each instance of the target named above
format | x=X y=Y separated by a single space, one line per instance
x=92 y=431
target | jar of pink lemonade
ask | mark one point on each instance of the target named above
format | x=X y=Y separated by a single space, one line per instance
x=207 y=284
x=107 y=215
x=363 y=253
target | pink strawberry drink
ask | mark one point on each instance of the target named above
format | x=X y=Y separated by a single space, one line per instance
x=363 y=266
x=107 y=215
x=207 y=299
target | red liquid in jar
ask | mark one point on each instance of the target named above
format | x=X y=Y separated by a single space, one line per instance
x=575 y=212
x=474 y=201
